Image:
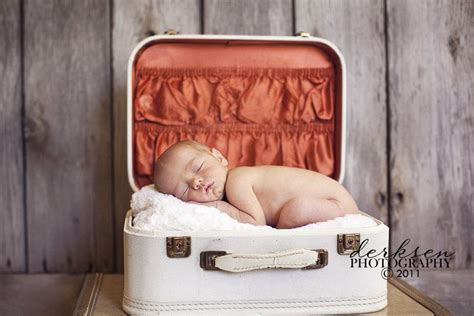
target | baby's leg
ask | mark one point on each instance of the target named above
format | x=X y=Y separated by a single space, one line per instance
x=302 y=211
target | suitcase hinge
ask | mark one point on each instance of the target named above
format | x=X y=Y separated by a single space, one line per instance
x=171 y=32
x=178 y=247
x=347 y=243
x=303 y=34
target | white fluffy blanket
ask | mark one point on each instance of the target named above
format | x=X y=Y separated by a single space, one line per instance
x=156 y=211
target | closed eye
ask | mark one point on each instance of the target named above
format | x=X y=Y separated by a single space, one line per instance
x=187 y=188
x=200 y=167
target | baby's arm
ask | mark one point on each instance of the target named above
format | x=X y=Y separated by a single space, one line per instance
x=246 y=201
x=230 y=210
x=235 y=213
x=240 y=193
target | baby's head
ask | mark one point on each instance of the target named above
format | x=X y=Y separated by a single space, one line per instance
x=191 y=172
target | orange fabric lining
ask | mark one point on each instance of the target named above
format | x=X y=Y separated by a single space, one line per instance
x=253 y=115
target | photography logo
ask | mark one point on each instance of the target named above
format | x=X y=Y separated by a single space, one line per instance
x=404 y=262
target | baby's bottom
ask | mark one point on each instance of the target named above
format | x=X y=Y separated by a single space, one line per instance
x=303 y=210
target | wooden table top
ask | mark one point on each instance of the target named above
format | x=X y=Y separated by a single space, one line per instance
x=101 y=294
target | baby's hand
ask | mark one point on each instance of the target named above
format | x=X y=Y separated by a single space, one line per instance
x=211 y=204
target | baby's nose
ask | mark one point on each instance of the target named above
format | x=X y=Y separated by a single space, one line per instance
x=197 y=183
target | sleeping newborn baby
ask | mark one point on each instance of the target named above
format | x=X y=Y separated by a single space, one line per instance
x=278 y=196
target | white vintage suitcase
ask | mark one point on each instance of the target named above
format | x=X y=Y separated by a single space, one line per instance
x=283 y=100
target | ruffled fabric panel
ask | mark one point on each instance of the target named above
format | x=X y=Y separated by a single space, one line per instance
x=253 y=116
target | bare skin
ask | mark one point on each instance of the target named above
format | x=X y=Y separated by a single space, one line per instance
x=278 y=196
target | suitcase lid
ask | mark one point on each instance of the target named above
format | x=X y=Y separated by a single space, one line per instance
x=257 y=99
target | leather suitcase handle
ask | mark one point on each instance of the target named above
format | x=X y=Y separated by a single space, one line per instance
x=241 y=262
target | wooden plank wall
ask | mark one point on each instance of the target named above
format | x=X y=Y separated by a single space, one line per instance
x=12 y=223
x=431 y=82
x=361 y=38
x=68 y=142
x=63 y=107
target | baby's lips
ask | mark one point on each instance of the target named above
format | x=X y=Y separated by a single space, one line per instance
x=209 y=186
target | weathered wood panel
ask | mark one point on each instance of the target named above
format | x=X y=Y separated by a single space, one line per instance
x=39 y=294
x=12 y=230
x=357 y=29
x=67 y=104
x=68 y=144
x=133 y=21
x=432 y=132
x=248 y=17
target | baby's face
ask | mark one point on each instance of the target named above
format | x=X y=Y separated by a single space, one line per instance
x=192 y=173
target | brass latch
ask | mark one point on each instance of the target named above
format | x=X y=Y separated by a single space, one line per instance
x=347 y=243
x=178 y=247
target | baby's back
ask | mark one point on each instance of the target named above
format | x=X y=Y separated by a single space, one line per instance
x=274 y=186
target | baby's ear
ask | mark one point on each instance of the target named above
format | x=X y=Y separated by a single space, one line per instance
x=219 y=156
